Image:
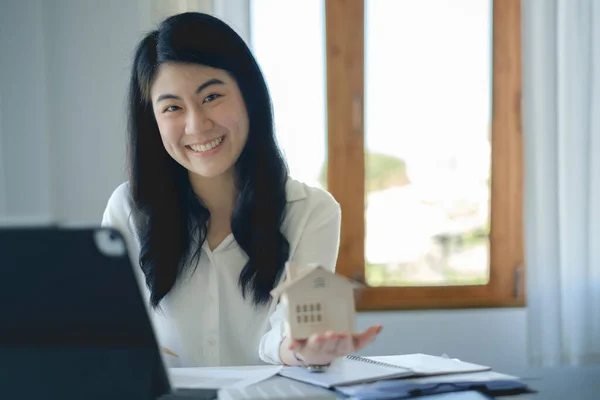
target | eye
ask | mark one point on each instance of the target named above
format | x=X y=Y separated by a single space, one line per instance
x=171 y=108
x=211 y=97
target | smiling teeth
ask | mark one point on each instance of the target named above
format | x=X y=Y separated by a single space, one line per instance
x=206 y=147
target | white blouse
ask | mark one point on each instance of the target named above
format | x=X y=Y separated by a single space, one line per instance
x=204 y=319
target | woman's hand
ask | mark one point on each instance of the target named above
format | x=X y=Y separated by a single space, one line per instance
x=322 y=349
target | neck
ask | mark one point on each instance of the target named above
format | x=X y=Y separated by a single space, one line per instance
x=217 y=194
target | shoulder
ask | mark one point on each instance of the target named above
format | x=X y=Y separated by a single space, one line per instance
x=118 y=208
x=312 y=225
x=121 y=195
x=120 y=200
x=310 y=198
x=309 y=207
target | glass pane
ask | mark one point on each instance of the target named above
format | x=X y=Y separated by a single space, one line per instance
x=288 y=39
x=427 y=127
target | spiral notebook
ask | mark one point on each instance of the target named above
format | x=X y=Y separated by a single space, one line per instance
x=347 y=371
x=354 y=369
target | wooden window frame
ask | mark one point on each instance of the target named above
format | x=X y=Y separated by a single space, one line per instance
x=345 y=115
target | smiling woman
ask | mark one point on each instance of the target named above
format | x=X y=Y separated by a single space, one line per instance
x=199 y=121
x=209 y=212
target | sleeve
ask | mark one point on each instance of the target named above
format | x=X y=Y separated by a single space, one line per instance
x=117 y=215
x=319 y=243
x=114 y=215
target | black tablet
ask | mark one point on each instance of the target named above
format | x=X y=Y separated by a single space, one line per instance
x=73 y=323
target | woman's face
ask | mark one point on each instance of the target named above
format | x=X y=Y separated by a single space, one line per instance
x=201 y=116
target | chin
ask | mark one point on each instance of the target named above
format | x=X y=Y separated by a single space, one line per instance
x=211 y=173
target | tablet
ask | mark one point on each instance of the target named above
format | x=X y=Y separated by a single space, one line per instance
x=74 y=324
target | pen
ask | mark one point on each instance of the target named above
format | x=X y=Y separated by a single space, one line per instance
x=169 y=352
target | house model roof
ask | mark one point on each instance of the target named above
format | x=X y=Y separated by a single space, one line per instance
x=292 y=280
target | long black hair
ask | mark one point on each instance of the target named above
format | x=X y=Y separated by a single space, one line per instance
x=171 y=223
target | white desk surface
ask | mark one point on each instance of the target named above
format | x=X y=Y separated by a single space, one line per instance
x=581 y=383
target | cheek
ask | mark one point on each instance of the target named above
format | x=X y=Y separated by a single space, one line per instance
x=168 y=132
x=244 y=127
x=238 y=123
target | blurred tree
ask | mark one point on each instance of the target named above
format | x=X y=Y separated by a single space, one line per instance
x=382 y=171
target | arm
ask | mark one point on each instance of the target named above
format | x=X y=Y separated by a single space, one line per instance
x=318 y=243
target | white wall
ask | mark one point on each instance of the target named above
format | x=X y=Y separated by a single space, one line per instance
x=64 y=71
x=63 y=76
x=23 y=123
x=495 y=337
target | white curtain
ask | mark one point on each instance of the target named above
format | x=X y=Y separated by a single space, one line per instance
x=561 y=92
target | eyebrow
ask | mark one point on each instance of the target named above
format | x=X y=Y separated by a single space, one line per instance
x=200 y=88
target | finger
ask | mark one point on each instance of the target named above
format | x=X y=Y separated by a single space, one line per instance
x=297 y=344
x=363 y=339
x=345 y=346
x=330 y=342
x=360 y=342
x=374 y=329
x=315 y=342
x=371 y=331
x=329 y=345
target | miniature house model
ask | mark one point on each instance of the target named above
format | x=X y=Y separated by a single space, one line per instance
x=316 y=300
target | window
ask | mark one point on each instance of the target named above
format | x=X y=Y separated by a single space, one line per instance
x=319 y=282
x=427 y=143
x=308 y=313
x=288 y=39
x=420 y=143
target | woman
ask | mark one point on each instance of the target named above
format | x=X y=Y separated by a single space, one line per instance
x=209 y=212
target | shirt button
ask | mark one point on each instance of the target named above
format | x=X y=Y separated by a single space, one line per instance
x=212 y=342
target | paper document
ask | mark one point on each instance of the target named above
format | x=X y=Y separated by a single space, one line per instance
x=393 y=389
x=467 y=395
x=278 y=388
x=218 y=378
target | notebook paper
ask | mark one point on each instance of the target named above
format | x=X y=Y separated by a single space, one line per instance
x=426 y=365
x=217 y=378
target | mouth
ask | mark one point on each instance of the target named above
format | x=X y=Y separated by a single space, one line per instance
x=204 y=148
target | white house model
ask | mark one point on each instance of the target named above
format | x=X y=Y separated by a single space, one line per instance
x=316 y=300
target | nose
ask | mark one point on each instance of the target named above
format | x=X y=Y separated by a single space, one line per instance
x=197 y=121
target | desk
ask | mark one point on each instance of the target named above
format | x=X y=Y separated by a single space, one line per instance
x=564 y=383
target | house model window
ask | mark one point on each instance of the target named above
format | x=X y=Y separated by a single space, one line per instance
x=308 y=313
